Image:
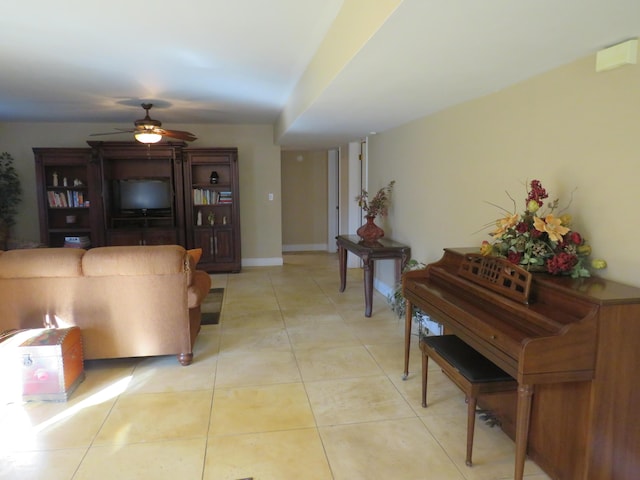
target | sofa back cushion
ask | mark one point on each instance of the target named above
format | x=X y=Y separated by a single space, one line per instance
x=41 y=262
x=135 y=260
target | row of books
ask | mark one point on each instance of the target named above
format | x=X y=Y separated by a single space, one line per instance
x=224 y=197
x=68 y=198
x=203 y=196
x=77 y=242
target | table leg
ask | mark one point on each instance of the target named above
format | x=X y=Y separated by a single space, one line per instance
x=368 y=285
x=342 y=260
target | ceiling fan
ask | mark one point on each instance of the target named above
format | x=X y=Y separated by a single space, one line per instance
x=147 y=130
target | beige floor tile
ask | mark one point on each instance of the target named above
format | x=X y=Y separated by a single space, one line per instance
x=390 y=357
x=249 y=304
x=152 y=417
x=493 y=451
x=260 y=408
x=253 y=320
x=158 y=461
x=443 y=396
x=378 y=330
x=295 y=301
x=166 y=374
x=336 y=362
x=250 y=340
x=292 y=454
x=257 y=368
x=286 y=288
x=219 y=280
x=354 y=400
x=101 y=375
x=321 y=334
x=50 y=465
x=387 y=449
x=311 y=314
x=54 y=425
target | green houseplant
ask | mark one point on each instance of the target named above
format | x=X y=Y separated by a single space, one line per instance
x=397 y=303
x=10 y=196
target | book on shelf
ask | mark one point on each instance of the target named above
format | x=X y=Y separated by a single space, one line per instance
x=203 y=196
x=225 y=197
x=77 y=242
x=67 y=198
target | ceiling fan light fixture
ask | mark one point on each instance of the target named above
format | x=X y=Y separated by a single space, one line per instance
x=148 y=137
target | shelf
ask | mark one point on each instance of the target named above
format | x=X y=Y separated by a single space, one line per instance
x=69 y=208
x=211 y=185
x=70 y=229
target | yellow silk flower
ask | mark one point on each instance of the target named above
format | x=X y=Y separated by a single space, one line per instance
x=504 y=224
x=552 y=226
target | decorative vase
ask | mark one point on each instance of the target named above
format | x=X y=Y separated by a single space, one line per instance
x=370 y=232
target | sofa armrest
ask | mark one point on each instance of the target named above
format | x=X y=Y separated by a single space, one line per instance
x=199 y=288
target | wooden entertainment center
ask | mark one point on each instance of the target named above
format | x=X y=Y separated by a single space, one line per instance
x=127 y=193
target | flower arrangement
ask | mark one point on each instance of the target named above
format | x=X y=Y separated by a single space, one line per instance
x=539 y=240
x=379 y=204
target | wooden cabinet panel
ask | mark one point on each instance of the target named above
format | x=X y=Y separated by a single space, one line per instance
x=212 y=213
x=79 y=191
x=143 y=236
x=69 y=195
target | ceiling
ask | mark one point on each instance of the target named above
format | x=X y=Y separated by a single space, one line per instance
x=243 y=61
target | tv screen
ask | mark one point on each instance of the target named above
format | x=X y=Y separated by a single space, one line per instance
x=144 y=194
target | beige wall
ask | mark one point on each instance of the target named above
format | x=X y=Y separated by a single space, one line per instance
x=304 y=200
x=259 y=164
x=571 y=128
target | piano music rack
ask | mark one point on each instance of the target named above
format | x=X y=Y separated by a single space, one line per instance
x=497 y=274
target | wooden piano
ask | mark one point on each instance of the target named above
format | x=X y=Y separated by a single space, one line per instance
x=574 y=349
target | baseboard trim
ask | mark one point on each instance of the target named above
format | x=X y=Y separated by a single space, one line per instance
x=310 y=247
x=262 y=262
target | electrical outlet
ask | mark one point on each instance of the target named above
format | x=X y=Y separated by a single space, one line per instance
x=271 y=197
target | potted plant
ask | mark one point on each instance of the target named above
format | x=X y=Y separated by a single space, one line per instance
x=398 y=304
x=10 y=196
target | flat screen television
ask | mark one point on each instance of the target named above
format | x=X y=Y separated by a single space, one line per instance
x=143 y=196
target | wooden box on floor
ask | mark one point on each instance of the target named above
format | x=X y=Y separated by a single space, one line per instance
x=51 y=362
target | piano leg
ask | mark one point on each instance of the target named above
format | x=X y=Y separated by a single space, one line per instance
x=523 y=417
x=407 y=337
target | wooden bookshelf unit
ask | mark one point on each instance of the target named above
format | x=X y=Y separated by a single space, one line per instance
x=127 y=193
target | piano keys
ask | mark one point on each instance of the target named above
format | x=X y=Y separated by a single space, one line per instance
x=572 y=345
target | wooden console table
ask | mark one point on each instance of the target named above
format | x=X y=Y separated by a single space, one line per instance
x=383 y=249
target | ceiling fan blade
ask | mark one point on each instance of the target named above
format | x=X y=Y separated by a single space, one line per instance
x=178 y=134
x=149 y=125
x=119 y=131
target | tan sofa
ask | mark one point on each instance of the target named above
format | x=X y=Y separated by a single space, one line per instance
x=128 y=301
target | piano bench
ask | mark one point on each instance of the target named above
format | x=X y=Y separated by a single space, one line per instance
x=469 y=370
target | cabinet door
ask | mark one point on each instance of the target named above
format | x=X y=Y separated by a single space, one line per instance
x=223 y=245
x=203 y=238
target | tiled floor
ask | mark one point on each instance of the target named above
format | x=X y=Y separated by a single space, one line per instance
x=295 y=383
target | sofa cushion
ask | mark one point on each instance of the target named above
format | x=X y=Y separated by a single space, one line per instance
x=135 y=260
x=195 y=254
x=41 y=262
